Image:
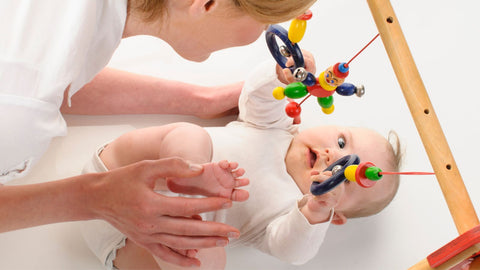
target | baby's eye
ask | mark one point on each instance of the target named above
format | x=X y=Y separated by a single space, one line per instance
x=341 y=142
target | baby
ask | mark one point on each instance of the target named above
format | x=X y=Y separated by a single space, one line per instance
x=281 y=217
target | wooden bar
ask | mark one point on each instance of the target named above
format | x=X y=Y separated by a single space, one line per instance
x=424 y=116
x=428 y=126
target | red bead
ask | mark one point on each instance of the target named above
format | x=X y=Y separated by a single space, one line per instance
x=305 y=16
x=293 y=109
x=318 y=91
x=362 y=180
x=337 y=71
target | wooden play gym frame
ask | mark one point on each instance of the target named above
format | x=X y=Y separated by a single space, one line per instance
x=467 y=245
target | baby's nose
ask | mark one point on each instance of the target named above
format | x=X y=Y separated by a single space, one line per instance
x=331 y=155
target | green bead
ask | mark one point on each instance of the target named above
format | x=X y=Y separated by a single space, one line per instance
x=296 y=90
x=373 y=173
x=325 y=102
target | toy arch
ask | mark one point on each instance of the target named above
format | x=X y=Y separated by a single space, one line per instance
x=467 y=245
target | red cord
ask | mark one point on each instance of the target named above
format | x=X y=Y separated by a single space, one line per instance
x=304 y=99
x=407 y=173
x=368 y=44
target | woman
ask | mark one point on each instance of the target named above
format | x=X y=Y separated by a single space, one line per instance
x=50 y=50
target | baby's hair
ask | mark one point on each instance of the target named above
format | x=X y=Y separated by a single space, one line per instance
x=394 y=161
x=265 y=11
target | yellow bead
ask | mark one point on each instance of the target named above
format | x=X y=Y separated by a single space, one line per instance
x=328 y=110
x=297 y=30
x=323 y=83
x=279 y=93
x=350 y=173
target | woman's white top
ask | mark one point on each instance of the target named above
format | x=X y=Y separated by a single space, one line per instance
x=46 y=46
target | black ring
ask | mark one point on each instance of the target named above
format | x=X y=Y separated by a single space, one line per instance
x=276 y=30
x=318 y=188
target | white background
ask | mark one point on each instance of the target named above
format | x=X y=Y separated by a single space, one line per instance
x=444 y=39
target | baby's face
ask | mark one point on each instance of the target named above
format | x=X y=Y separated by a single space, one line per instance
x=316 y=148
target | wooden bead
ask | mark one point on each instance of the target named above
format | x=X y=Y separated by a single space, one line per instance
x=297 y=30
x=307 y=15
x=373 y=173
x=331 y=78
x=350 y=173
x=279 y=93
x=346 y=89
x=328 y=110
x=323 y=82
x=362 y=180
x=318 y=91
x=310 y=80
x=325 y=102
x=293 y=109
x=341 y=70
x=296 y=90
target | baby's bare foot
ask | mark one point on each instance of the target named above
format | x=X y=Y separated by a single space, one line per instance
x=217 y=180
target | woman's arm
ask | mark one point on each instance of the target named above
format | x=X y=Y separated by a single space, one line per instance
x=125 y=198
x=119 y=92
x=26 y=206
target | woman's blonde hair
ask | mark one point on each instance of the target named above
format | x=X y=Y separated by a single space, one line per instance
x=274 y=11
x=265 y=11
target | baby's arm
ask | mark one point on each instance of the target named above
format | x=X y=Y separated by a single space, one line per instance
x=257 y=105
x=318 y=208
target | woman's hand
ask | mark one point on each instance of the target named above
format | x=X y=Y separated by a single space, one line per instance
x=125 y=197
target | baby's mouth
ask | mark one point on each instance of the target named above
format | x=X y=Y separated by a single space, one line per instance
x=313 y=158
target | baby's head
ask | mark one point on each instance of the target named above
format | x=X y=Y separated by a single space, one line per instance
x=316 y=148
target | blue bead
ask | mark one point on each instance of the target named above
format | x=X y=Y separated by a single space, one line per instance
x=310 y=80
x=343 y=67
x=346 y=89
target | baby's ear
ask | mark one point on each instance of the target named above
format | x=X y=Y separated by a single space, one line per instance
x=339 y=218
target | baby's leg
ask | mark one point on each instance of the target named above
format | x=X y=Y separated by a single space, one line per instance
x=136 y=257
x=184 y=140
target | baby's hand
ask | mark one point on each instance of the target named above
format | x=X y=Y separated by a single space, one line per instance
x=318 y=208
x=286 y=76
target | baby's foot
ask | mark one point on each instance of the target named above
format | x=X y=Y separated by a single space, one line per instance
x=217 y=180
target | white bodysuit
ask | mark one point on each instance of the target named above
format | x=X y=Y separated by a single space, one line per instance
x=270 y=220
x=47 y=46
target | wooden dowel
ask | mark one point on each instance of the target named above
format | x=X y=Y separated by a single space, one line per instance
x=424 y=116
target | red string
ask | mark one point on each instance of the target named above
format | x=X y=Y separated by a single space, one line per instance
x=368 y=44
x=407 y=173
x=304 y=99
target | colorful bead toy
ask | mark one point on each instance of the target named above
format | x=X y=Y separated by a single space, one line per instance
x=349 y=168
x=338 y=177
x=323 y=87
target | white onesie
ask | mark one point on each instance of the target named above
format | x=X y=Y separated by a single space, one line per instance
x=270 y=220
